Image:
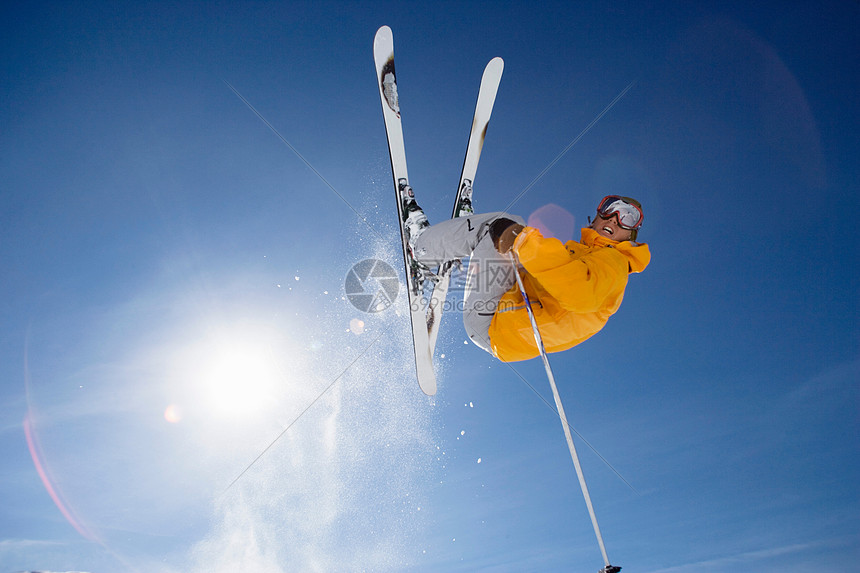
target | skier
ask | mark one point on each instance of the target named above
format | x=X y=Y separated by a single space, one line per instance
x=574 y=287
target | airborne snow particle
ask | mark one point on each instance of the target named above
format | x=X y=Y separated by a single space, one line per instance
x=479 y=460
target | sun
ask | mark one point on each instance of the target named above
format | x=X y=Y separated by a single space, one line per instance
x=239 y=380
x=231 y=370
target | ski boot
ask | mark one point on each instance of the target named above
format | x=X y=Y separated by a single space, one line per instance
x=464 y=203
x=414 y=223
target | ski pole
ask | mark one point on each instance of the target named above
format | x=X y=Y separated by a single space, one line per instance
x=539 y=341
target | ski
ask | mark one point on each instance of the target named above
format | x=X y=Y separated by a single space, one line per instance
x=490 y=80
x=383 y=55
x=426 y=313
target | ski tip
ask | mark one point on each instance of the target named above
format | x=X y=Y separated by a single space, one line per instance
x=426 y=376
x=496 y=63
x=383 y=46
x=383 y=32
x=428 y=389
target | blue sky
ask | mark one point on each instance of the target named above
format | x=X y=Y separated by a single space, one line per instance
x=172 y=298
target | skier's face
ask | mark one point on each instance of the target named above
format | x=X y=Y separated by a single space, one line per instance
x=610 y=228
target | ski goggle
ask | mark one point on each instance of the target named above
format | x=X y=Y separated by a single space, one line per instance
x=629 y=216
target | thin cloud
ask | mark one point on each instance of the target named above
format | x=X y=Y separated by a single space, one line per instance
x=741 y=560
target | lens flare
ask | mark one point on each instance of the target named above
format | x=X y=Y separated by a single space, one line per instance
x=173 y=414
x=553 y=221
x=36 y=454
x=356 y=326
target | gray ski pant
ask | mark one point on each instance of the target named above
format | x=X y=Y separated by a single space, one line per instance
x=490 y=273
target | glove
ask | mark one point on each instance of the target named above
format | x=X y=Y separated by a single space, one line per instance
x=503 y=233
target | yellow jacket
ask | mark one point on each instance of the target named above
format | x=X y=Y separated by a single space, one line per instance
x=573 y=287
